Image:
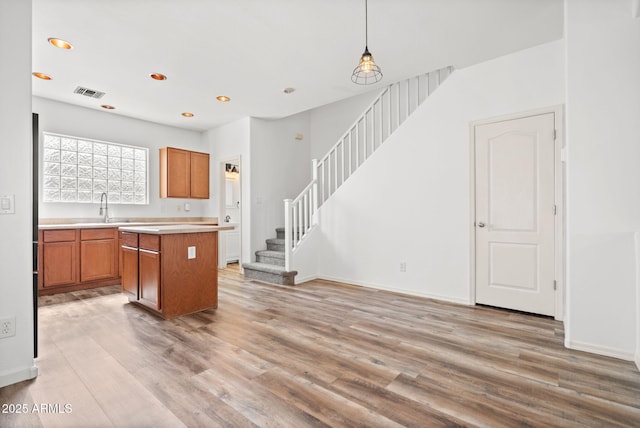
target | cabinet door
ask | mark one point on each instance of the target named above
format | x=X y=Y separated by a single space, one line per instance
x=175 y=173
x=60 y=263
x=130 y=271
x=149 y=274
x=199 y=175
x=98 y=259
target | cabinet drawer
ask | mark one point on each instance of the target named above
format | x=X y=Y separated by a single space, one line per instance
x=130 y=239
x=63 y=235
x=92 y=234
x=150 y=242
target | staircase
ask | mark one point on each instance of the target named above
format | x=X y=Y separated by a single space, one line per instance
x=381 y=118
x=270 y=264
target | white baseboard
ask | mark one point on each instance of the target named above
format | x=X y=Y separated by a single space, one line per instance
x=300 y=280
x=449 y=299
x=9 y=378
x=601 y=350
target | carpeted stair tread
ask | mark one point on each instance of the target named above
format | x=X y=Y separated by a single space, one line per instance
x=277 y=241
x=271 y=253
x=267 y=267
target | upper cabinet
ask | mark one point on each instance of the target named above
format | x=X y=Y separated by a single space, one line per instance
x=184 y=174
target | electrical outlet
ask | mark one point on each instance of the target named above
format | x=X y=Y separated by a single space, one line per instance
x=7 y=327
x=403 y=266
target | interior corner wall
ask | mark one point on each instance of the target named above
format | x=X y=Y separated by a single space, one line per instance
x=68 y=119
x=231 y=141
x=280 y=169
x=16 y=291
x=603 y=202
x=410 y=201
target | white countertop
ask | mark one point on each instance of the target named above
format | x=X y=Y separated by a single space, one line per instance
x=175 y=228
x=97 y=225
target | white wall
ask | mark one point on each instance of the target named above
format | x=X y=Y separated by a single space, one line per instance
x=280 y=169
x=637 y=356
x=603 y=201
x=410 y=200
x=227 y=142
x=16 y=353
x=95 y=124
x=330 y=122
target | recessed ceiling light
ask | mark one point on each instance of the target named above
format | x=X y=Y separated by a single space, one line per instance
x=41 y=75
x=187 y=114
x=288 y=90
x=158 y=76
x=223 y=98
x=59 y=43
x=107 y=107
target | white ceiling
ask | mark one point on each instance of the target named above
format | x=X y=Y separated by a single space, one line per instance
x=251 y=49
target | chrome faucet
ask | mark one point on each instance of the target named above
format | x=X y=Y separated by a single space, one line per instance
x=104 y=211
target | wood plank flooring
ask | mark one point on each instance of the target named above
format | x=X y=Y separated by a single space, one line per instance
x=318 y=354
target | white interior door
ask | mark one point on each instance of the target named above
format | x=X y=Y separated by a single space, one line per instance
x=515 y=224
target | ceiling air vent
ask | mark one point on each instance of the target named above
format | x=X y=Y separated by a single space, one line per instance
x=88 y=92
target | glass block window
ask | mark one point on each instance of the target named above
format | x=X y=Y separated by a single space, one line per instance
x=80 y=170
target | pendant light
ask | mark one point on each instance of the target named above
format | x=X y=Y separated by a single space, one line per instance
x=367 y=72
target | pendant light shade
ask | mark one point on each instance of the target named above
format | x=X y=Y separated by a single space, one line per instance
x=367 y=72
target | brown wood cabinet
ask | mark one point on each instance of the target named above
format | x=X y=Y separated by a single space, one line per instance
x=59 y=265
x=98 y=254
x=129 y=263
x=76 y=259
x=149 y=271
x=184 y=174
x=158 y=274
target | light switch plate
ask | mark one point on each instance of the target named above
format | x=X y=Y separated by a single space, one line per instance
x=191 y=252
x=7 y=204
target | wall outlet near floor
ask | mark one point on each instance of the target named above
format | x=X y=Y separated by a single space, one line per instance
x=7 y=327
x=403 y=266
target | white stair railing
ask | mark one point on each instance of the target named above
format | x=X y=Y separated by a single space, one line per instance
x=300 y=215
x=380 y=119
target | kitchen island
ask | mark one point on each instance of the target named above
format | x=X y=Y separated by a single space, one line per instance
x=171 y=270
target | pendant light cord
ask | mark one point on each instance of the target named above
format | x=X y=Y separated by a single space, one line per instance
x=366 y=24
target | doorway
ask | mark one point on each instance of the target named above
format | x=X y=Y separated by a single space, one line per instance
x=517 y=212
x=230 y=209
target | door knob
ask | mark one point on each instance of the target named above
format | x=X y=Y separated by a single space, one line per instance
x=481 y=224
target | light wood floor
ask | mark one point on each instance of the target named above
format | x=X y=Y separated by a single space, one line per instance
x=318 y=354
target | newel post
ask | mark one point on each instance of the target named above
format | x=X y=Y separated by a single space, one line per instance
x=314 y=175
x=287 y=234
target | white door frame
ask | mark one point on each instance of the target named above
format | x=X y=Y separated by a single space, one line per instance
x=222 y=207
x=559 y=269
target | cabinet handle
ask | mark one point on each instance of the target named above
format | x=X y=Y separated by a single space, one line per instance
x=148 y=251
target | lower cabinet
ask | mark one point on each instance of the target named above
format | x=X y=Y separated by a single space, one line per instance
x=59 y=264
x=98 y=254
x=149 y=271
x=76 y=259
x=130 y=271
x=141 y=270
x=172 y=274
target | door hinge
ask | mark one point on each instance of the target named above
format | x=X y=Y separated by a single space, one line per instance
x=555 y=284
x=555 y=133
x=555 y=209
